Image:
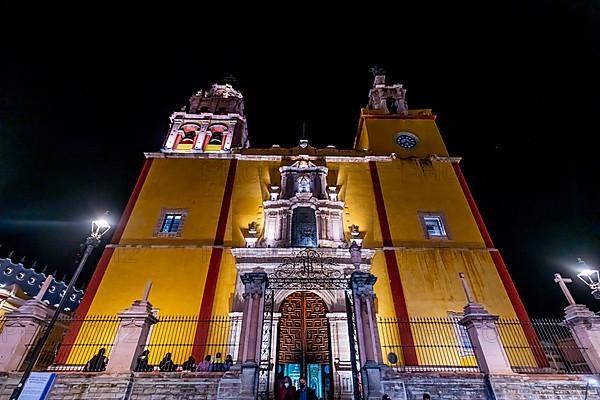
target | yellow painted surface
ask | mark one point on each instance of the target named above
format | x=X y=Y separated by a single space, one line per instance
x=413 y=186
x=379 y=136
x=195 y=185
x=356 y=190
x=177 y=275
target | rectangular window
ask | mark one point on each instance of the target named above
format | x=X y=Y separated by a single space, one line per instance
x=433 y=225
x=171 y=223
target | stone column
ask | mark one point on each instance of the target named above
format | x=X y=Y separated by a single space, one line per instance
x=131 y=337
x=483 y=334
x=340 y=352
x=368 y=335
x=251 y=333
x=21 y=330
x=585 y=327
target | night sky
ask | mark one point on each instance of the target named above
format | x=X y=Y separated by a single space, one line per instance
x=516 y=88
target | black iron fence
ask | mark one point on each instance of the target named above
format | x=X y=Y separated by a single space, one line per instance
x=552 y=350
x=440 y=344
x=90 y=350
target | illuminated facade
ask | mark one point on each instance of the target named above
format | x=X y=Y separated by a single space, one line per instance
x=208 y=208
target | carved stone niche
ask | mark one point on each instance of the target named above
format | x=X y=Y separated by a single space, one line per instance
x=304 y=208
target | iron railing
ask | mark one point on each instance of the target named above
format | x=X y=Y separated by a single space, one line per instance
x=552 y=350
x=441 y=344
x=177 y=335
x=94 y=333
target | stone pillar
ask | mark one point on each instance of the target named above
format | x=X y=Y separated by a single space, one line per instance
x=21 y=330
x=131 y=336
x=251 y=333
x=368 y=335
x=585 y=327
x=483 y=334
x=340 y=352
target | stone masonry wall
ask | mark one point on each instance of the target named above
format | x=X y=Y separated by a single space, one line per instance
x=147 y=386
x=462 y=386
x=400 y=386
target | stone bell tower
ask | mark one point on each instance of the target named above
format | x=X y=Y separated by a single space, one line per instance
x=213 y=122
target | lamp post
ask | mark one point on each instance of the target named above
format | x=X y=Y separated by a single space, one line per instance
x=590 y=277
x=99 y=228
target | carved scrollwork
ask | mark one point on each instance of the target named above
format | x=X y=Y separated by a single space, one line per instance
x=308 y=270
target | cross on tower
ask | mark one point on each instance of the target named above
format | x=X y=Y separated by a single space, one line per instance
x=562 y=283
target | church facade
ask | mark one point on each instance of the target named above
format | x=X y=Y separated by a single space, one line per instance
x=209 y=210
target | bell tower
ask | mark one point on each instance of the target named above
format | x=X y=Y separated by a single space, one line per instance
x=213 y=122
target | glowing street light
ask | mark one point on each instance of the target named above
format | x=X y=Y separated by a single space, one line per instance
x=590 y=277
x=99 y=228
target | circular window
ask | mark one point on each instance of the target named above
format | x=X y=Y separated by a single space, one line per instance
x=407 y=140
x=392 y=358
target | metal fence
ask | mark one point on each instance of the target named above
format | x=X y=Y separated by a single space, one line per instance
x=94 y=333
x=441 y=344
x=543 y=345
x=177 y=335
x=90 y=349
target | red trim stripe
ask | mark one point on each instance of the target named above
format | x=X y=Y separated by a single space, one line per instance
x=212 y=276
x=509 y=285
x=94 y=283
x=406 y=336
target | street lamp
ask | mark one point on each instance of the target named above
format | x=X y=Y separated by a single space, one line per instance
x=99 y=228
x=590 y=277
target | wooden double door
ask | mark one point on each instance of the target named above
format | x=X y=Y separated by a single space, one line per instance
x=303 y=342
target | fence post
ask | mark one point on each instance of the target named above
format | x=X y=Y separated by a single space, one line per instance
x=585 y=327
x=250 y=336
x=368 y=335
x=483 y=333
x=21 y=330
x=131 y=336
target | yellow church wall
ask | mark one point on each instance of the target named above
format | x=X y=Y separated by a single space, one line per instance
x=251 y=187
x=413 y=186
x=379 y=136
x=356 y=190
x=177 y=274
x=193 y=184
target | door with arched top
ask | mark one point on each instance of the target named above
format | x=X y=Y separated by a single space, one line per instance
x=303 y=342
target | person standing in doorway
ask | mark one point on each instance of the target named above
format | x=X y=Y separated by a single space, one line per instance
x=287 y=391
x=304 y=392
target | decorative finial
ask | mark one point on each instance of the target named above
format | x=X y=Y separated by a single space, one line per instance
x=375 y=70
x=34 y=264
x=11 y=254
x=45 y=269
x=467 y=288
x=147 y=290
x=22 y=260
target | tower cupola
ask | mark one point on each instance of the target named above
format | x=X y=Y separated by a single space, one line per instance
x=213 y=122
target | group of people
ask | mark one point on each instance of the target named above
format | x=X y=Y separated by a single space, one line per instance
x=167 y=365
x=287 y=391
x=98 y=363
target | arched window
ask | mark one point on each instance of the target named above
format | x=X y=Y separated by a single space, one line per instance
x=304 y=227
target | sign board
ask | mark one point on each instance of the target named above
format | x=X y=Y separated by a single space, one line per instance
x=38 y=386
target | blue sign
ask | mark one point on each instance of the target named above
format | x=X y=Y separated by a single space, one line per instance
x=38 y=386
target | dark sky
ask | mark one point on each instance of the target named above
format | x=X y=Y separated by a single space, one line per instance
x=516 y=88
